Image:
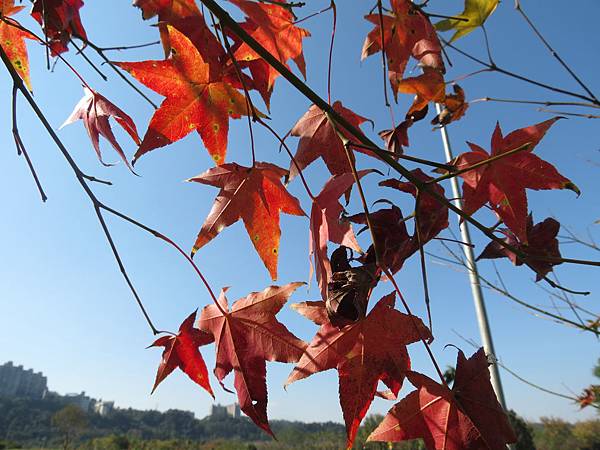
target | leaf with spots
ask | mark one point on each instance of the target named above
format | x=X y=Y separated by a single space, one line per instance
x=468 y=417
x=246 y=336
x=95 y=110
x=167 y=10
x=60 y=21
x=182 y=351
x=12 y=40
x=364 y=353
x=502 y=182
x=255 y=195
x=197 y=99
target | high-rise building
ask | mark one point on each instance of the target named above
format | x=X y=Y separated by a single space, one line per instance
x=18 y=382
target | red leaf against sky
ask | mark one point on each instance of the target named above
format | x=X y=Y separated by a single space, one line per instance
x=167 y=10
x=245 y=337
x=327 y=225
x=392 y=239
x=407 y=32
x=319 y=139
x=196 y=99
x=468 y=417
x=397 y=139
x=255 y=195
x=12 y=40
x=173 y=12
x=541 y=241
x=273 y=27
x=455 y=107
x=95 y=110
x=502 y=183
x=182 y=351
x=427 y=87
x=364 y=353
x=431 y=214
x=60 y=20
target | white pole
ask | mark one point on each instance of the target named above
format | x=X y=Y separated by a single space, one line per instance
x=482 y=319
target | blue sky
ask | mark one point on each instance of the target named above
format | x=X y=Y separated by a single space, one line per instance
x=65 y=309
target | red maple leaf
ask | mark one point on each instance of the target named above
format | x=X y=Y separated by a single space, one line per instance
x=427 y=87
x=95 y=110
x=273 y=27
x=327 y=225
x=364 y=353
x=12 y=40
x=60 y=20
x=541 y=242
x=391 y=237
x=255 y=195
x=182 y=351
x=319 y=139
x=196 y=99
x=167 y=10
x=245 y=337
x=468 y=417
x=406 y=32
x=455 y=107
x=502 y=183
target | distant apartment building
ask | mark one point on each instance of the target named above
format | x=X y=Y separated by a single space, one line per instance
x=220 y=411
x=18 y=382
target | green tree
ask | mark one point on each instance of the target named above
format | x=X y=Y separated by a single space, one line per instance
x=555 y=434
x=523 y=431
x=587 y=434
x=70 y=421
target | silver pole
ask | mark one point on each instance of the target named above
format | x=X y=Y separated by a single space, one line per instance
x=482 y=319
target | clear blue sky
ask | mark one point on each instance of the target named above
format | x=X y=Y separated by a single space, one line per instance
x=65 y=309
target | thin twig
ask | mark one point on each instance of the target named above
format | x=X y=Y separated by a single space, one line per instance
x=21 y=147
x=553 y=52
x=496 y=68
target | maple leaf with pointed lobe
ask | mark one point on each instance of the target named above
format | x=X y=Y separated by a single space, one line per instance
x=172 y=12
x=502 y=183
x=468 y=417
x=319 y=139
x=196 y=99
x=455 y=107
x=432 y=215
x=327 y=225
x=406 y=32
x=427 y=87
x=364 y=353
x=255 y=195
x=541 y=242
x=182 y=351
x=12 y=40
x=476 y=13
x=60 y=20
x=246 y=336
x=95 y=110
x=273 y=27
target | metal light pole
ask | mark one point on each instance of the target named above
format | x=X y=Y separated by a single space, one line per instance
x=482 y=320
